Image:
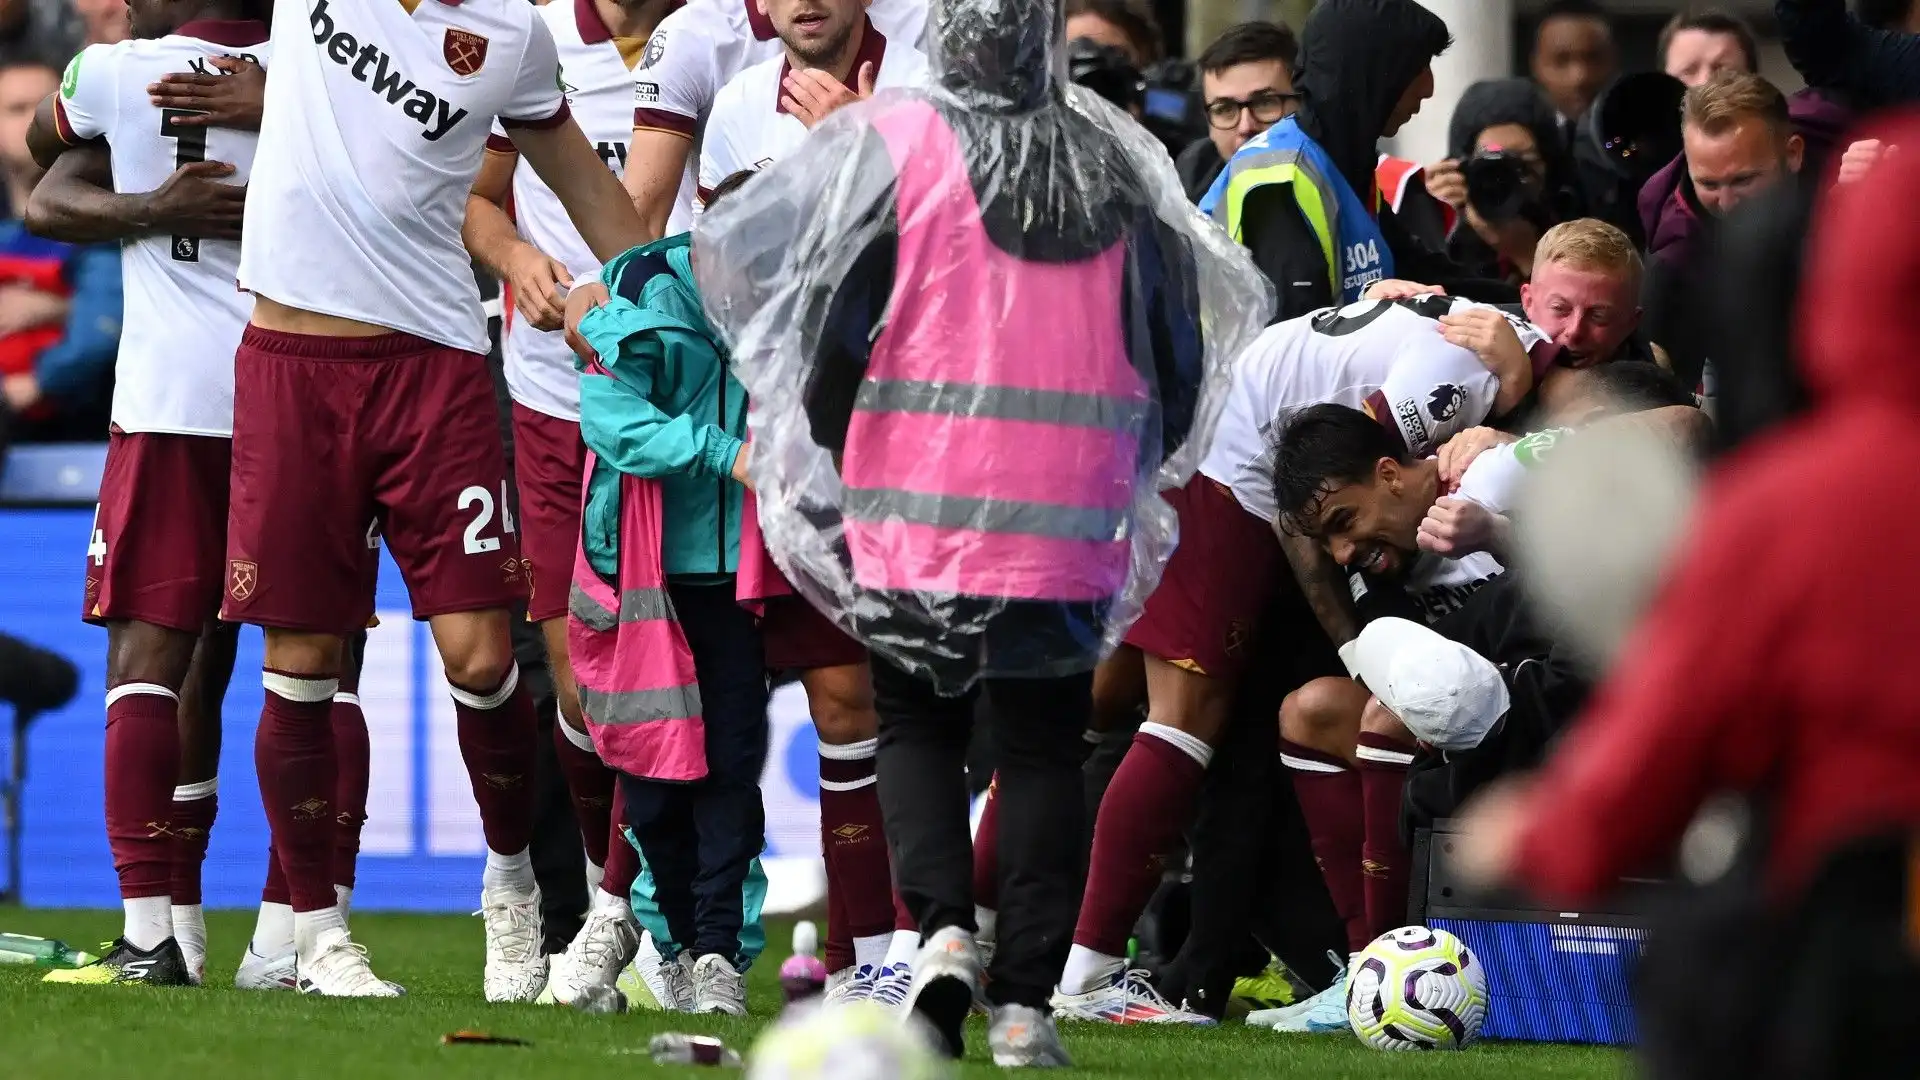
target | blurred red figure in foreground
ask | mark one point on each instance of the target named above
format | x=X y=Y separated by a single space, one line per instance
x=1762 y=666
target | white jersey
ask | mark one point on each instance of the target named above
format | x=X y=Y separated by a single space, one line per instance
x=750 y=127
x=1439 y=584
x=182 y=316
x=1386 y=357
x=375 y=123
x=705 y=45
x=595 y=75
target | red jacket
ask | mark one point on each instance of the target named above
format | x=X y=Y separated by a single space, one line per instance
x=1781 y=657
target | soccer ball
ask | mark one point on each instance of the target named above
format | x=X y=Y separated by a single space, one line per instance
x=855 y=1041
x=1416 y=989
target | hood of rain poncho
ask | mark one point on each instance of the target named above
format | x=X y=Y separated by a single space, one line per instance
x=1059 y=177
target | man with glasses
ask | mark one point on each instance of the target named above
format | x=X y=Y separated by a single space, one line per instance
x=1246 y=80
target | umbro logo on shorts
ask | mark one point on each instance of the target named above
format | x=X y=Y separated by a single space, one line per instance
x=370 y=64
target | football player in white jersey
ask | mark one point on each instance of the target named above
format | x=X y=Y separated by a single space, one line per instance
x=1188 y=648
x=156 y=560
x=76 y=201
x=361 y=389
x=831 y=54
x=538 y=252
x=696 y=51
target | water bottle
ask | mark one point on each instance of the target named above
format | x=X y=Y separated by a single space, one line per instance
x=679 y=1048
x=45 y=952
x=803 y=975
x=600 y=999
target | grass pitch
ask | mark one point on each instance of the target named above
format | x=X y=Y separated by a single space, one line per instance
x=217 y=1033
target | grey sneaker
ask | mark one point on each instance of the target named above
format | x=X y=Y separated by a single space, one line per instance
x=1023 y=1037
x=947 y=978
x=717 y=987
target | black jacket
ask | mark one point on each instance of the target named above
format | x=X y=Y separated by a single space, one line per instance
x=1356 y=58
x=1834 y=50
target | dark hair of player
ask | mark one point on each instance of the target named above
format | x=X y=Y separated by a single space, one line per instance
x=257 y=10
x=1711 y=21
x=1638 y=386
x=1250 y=43
x=1320 y=448
x=726 y=187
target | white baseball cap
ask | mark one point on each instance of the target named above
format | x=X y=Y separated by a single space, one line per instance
x=1448 y=695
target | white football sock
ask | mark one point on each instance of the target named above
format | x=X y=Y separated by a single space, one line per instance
x=871 y=951
x=604 y=900
x=512 y=873
x=1087 y=969
x=595 y=875
x=1191 y=745
x=273 y=931
x=190 y=930
x=314 y=929
x=988 y=920
x=345 y=895
x=149 y=921
x=903 y=948
x=580 y=740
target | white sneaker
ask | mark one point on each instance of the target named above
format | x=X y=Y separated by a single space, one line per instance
x=858 y=985
x=515 y=969
x=1129 y=998
x=1325 y=1013
x=266 y=972
x=717 y=988
x=892 y=986
x=340 y=969
x=605 y=945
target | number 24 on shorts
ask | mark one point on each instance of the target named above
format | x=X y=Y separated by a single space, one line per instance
x=481 y=501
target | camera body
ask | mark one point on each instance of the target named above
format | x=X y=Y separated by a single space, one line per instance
x=1499 y=184
x=1162 y=98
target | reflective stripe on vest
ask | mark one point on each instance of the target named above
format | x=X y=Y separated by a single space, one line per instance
x=1001 y=403
x=1315 y=198
x=625 y=707
x=1090 y=523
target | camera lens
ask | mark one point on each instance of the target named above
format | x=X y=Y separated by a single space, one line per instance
x=1496 y=184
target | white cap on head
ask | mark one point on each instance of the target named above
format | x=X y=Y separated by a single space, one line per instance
x=1448 y=695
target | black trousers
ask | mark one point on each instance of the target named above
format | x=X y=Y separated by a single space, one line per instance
x=1036 y=726
x=700 y=839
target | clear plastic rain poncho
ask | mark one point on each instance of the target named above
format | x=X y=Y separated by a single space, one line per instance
x=981 y=330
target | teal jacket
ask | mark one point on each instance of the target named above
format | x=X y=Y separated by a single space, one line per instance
x=668 y=409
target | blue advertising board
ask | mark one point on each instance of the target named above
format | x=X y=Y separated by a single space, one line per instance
x=422 y=846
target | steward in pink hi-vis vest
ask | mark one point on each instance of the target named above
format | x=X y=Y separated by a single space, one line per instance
x=981 y=330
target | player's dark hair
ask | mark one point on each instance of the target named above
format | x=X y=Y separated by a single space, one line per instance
x=1711 y=21
x=1132 y=17
x=257 y=10
x=734 y=182
x=1251 y=43
x=1637 y=386
x=1320 y=448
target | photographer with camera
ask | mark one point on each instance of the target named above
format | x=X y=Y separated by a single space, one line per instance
x=1508 y=178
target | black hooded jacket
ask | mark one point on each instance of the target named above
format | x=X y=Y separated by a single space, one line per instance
x=1357 y=57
